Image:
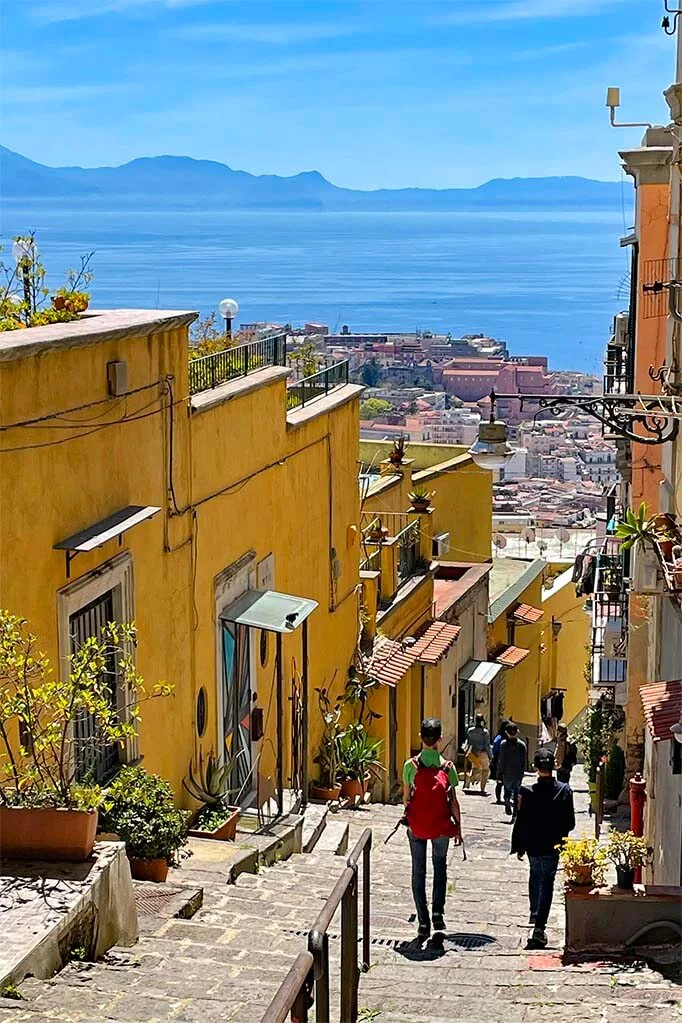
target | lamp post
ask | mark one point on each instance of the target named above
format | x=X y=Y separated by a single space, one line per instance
x=228 y=310
x=23 y=253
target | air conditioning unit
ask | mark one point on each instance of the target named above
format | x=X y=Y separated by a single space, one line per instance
x=441 y=545
x=620 y=330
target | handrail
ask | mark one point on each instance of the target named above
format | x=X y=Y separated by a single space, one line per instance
x=318 y=384
x=209 y=371
x=296 y=992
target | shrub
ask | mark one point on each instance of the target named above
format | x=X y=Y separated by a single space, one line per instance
x=139 y=807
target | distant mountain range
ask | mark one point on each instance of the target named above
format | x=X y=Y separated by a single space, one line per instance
x=181 y=180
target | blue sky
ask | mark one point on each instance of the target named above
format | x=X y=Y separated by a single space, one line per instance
x=372 y=93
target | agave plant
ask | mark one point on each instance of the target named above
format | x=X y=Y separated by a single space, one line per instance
x=636 y=528
x=211 y=784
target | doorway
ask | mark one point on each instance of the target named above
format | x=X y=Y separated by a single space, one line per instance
x=236 y=708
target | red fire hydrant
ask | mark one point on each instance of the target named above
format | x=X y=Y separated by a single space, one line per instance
x=637 y=801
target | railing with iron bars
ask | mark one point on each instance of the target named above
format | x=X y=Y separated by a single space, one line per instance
x=317 y=384
x=211 y=370
x=409 y=549
x=307 y=983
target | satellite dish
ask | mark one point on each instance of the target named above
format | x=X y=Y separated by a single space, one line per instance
x=563 y=534
x=542 y=545
x=500 y=541
x=528 y=535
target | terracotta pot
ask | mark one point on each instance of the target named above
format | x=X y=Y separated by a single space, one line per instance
x=625 y=877
x=351 y=788
x=148 y=870
x=582 y=875
x=677 y=576
x=395 y=460
x=420 y=506
x=327 y=795
x=666 y=549
x=58 y=301
x=47 y=833
x=225 y=832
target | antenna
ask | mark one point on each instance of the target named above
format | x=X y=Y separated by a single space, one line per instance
x=613 y=102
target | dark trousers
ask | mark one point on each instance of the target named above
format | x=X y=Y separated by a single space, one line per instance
x=562 y=775
x=541 y=886
x=439 y=855
x=511 y=792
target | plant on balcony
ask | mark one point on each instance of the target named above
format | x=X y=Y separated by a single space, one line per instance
x=637 y=529
x=210 y=785
x=420 y=497
x=627 y=852
x=23 y=294
x=583 y=861
x=46 y=810
x=140 y=809
x=595 y=735
x=397 y=452
x=328 y=755
x=614 y=774
x=207 y=338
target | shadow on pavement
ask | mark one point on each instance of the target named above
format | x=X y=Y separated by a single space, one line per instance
x=439 y=945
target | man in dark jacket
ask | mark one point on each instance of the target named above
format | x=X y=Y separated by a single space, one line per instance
x=511 y=766
x=546 y=816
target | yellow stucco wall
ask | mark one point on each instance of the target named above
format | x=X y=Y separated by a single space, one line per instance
x=247 y=481
x=462 y=498
x=521 y=684
x=562 y=664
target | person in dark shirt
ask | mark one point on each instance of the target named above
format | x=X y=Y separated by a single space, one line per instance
x=546 y=816
x=511 y=767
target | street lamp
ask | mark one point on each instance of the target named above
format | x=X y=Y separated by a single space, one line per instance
x=491 y=450
x=228 y=310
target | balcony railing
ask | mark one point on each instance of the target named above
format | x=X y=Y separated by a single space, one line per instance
x=408 y=551
x=211 y=370
x=317 y=384
x=610 y=619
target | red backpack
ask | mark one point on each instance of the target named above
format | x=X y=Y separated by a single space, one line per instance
x=429 y=810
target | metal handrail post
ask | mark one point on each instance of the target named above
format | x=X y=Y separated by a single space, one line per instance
x=350 y=975
x=294 y=994
x=366 y=882
x=318 y=946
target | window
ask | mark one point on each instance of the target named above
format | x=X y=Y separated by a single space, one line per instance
x=676 y=757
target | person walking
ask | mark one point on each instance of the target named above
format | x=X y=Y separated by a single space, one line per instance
x=565 y=754
x=511 y=767
x=478 y=754
x=545 y=818
x=432 y=813
x=497 y=742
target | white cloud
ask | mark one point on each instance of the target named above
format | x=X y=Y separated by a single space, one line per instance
x=276 y=33
x=51 y=11
x=520 y=10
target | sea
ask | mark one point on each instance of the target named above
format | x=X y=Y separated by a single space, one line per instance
x=547 y=281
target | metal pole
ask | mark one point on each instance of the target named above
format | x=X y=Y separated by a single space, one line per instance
x=366 y=881
x=280 y=729
x=422 y=695
x=349 y=952
x=322 y=984
x=304 y=723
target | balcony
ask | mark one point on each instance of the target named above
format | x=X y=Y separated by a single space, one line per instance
x=317 y=385
x=393 y=545
x=210 y=371
x=610 y=621
x=619 y=361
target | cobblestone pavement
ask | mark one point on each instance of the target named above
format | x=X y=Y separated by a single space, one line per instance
x=226 y=962
x=481 y=969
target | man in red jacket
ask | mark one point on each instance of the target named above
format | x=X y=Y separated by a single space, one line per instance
x=432 y=813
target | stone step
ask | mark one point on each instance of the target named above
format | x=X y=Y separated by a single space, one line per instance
x=334 y=838
x=314 y=822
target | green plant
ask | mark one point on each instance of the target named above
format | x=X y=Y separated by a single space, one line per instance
x=595 y=734
x=307 y=358
x=206 y=338
x=374 y=408
x=614 y=773
x=24 y=307
x=328 y=754
x=626 y=850
x=576 y=854
x=636 y=528
x=358 y=752
x=397 y=452
x=139 y=808
x=420 y=494
x=211 y=817
x=11 y=991
x=211 y=785
x=40 y=769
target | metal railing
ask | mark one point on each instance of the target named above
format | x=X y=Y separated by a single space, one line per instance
x=211 y=370
x=317 y=384
x=307 y=982
x=372 y=562
x=409 y=549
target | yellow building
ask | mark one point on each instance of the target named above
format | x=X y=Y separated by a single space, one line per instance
x=136 y=485
x=539 y=633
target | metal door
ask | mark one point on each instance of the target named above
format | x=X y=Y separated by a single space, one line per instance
x=96 y=761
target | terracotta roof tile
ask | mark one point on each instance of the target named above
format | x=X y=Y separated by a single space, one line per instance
x=662 y=703
x=527 y=613
x=434 y=644
x=390 y=662
x=510 y=656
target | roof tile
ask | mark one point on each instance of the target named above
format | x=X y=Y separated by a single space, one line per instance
x=435 y=642
x=510 y=656
x=527 y=613
x=390 y=662
x=662 y=703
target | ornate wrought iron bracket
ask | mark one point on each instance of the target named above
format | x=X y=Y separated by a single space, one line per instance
x=667 y=27
x=656 y=415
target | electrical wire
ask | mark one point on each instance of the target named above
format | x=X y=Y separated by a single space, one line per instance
x=76 y=408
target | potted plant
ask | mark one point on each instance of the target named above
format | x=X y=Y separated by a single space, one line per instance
x=677 y=566
x=397 y=452
x=139 y=808
x=327 y=757
x=582 y=861
x=216 y=819
x=420 y=498
x=614 y=774
x=594 y=737
x=359 y=755
x=46 y=810
x=377 y=532
x=627 y=852
x=637 y=528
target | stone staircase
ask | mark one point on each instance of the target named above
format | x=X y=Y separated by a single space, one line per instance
x=225 y=963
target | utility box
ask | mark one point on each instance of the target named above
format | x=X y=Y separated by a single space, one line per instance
x=117 y=378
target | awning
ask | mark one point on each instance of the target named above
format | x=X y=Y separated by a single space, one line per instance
x=527 y=613
x=435 y=642
x=480 y=672
x=268 y=610
x=662 y=703
x=510 y=656
x=106 y=529
x=390 y=662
